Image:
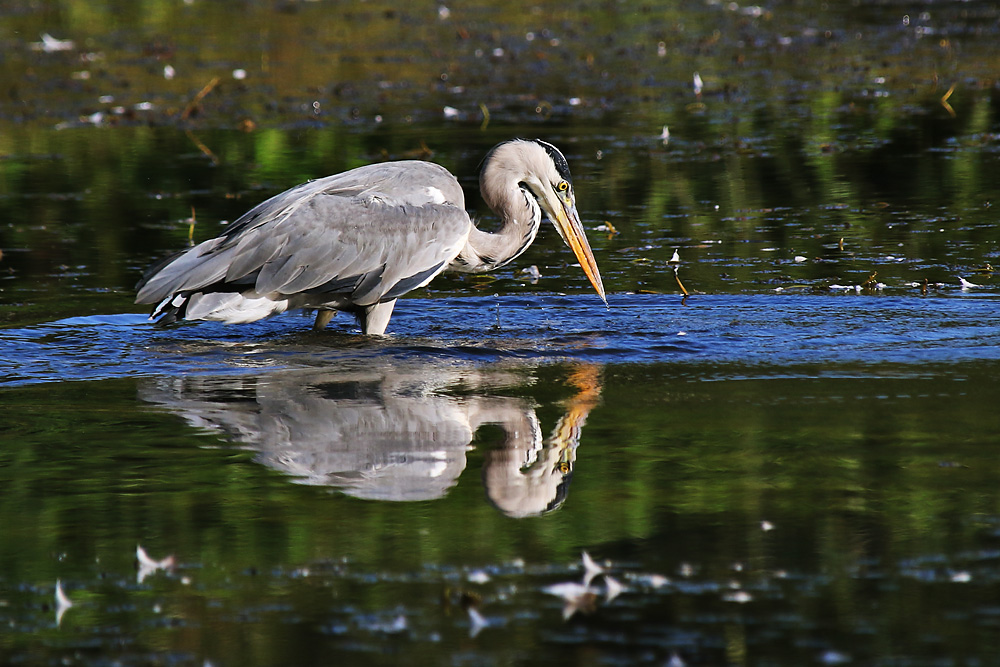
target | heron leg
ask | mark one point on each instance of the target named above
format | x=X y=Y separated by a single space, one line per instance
x=374 y=319
x=323 y=318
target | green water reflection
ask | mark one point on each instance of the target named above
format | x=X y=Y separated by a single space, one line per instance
x=818 y=135
x=878 y=490
x=90 y=211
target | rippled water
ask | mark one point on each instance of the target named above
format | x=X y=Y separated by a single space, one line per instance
x=792 y=464
x=763 y=330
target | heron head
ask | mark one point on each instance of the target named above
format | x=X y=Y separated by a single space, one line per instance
x=542 y=170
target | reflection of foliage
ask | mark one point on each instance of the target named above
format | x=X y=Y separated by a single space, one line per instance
x=803 y=135
x=855 y=472
x=845 y=456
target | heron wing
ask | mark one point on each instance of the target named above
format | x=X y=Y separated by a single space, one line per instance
x=363 y=236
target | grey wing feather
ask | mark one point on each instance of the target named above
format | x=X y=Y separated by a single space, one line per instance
x=373 y=231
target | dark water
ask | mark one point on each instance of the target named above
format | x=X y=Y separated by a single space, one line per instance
x=793 y=464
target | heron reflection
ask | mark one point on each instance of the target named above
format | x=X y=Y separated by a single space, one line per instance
x=398 y=433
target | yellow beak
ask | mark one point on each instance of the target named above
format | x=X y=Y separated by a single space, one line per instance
x=567 y=222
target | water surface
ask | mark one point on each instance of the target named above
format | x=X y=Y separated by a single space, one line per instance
x=778 y=451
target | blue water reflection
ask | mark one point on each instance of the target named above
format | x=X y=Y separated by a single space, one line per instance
x=774 y=330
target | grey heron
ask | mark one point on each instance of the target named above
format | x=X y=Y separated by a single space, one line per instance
x=358 y=240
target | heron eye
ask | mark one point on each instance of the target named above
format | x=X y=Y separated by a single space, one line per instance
x=563 y=186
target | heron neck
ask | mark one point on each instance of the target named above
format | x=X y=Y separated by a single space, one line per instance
x=520 y=218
